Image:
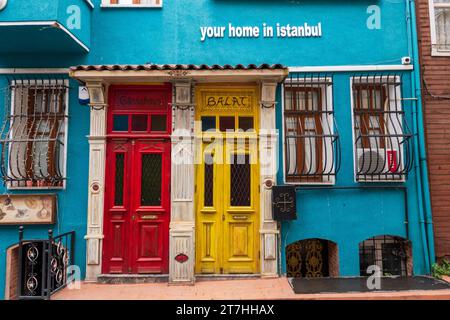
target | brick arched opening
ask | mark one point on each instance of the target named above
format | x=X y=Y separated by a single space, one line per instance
x=392 y=254
x=312 y=258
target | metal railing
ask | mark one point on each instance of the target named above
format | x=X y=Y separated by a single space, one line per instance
x=312 y=145
x=43 y=265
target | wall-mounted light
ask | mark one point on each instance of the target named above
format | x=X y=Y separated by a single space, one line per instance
x=96 y=95
x=268 y=94
x=183 y=95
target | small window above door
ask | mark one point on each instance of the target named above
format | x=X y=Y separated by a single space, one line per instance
x=132 y=3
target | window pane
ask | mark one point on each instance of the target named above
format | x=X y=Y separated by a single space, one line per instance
x=208 y=123
x=120 y=122
x=442 y=16
x=288 y=99
x=159 y=123
x=365 y=96
x=209 y=185
x=36 y=152
x=301 y=100
x=118 y=188
x=139 y=122
x=227 y=123
x=310 y=124
x=314 y=101
x=151 y=180
x=246 y=123
x=240 y=181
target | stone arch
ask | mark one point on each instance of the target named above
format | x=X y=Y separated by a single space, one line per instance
x=312 y=258
x=392 y=254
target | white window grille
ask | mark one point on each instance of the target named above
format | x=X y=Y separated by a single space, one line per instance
x=311 y=140
x=440 y=26
x=382 y=139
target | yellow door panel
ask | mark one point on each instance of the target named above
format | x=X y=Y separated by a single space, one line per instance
x=227 y=195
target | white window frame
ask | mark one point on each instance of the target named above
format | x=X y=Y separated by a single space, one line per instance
x=66 y=134
x=434 y=50
x=329 y=93
x=355 y=149
x=108 y=4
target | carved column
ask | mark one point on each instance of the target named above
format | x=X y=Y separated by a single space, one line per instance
x=96 y=186
x=268 y=155
x=182 y=224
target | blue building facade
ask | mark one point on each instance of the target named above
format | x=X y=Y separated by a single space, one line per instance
x=335 y=83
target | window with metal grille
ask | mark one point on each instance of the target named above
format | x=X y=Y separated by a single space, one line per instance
x=383 y=144
x=33 y=133
x=311 y=141
x=440 y=26
x=389 y=253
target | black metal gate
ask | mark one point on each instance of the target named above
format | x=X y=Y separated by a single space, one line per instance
x=43 y=265
x=307 y=258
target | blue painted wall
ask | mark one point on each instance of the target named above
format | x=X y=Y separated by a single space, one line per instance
x=72 y=202
x=349 y=216
x=172 y=35
x=35 y=37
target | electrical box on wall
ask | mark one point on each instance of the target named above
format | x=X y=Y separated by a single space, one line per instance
x=284 y=204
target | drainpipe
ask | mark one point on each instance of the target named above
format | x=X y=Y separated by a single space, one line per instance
x=426 y=221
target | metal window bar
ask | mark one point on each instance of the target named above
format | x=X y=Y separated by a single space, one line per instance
x=389 y=253
x=312 y=145
x=383 y=143
x=33 y=132
x=43 y=265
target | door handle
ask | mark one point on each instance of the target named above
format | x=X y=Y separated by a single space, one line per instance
x=149 y=217
x=240 y=217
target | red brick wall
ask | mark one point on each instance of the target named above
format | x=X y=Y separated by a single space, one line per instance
x=333 y=259
x=435 y=72
x=12 y=273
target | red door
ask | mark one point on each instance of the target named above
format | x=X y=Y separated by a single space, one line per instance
x=137 y=195
x=137 y=214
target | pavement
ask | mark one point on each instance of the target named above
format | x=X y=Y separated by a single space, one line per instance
x=249 y=289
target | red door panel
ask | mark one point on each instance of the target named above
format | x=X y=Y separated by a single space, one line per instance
x=151 y=206
x=137 y=195
x=137 y=209
x=117 y=207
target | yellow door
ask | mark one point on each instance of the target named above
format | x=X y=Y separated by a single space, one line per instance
x=227 y=179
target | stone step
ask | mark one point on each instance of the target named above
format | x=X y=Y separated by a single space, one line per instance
x=218 y=277
x=132 y=278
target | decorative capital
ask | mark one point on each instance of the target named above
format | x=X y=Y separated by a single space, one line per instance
x=268 y=94
x=97 y=95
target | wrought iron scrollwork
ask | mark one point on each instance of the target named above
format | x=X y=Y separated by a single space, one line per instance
x=307 y=258
x=312 y=147
x=32 y=135
x=43 y=265
x=32 y=268
x=383 y=140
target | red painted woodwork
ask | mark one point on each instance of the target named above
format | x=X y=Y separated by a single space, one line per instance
x=137 y=191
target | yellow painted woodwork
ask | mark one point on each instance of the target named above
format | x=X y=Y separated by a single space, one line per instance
x=227 y=237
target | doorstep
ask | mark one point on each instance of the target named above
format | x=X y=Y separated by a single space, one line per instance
x=220 y=277
x=345 y=285
x=132 y=278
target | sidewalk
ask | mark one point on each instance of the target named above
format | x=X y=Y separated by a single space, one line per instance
x=252 y=289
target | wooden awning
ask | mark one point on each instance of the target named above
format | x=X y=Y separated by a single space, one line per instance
x=175 y=72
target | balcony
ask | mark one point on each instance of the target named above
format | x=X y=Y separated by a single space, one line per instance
x=44 y=26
